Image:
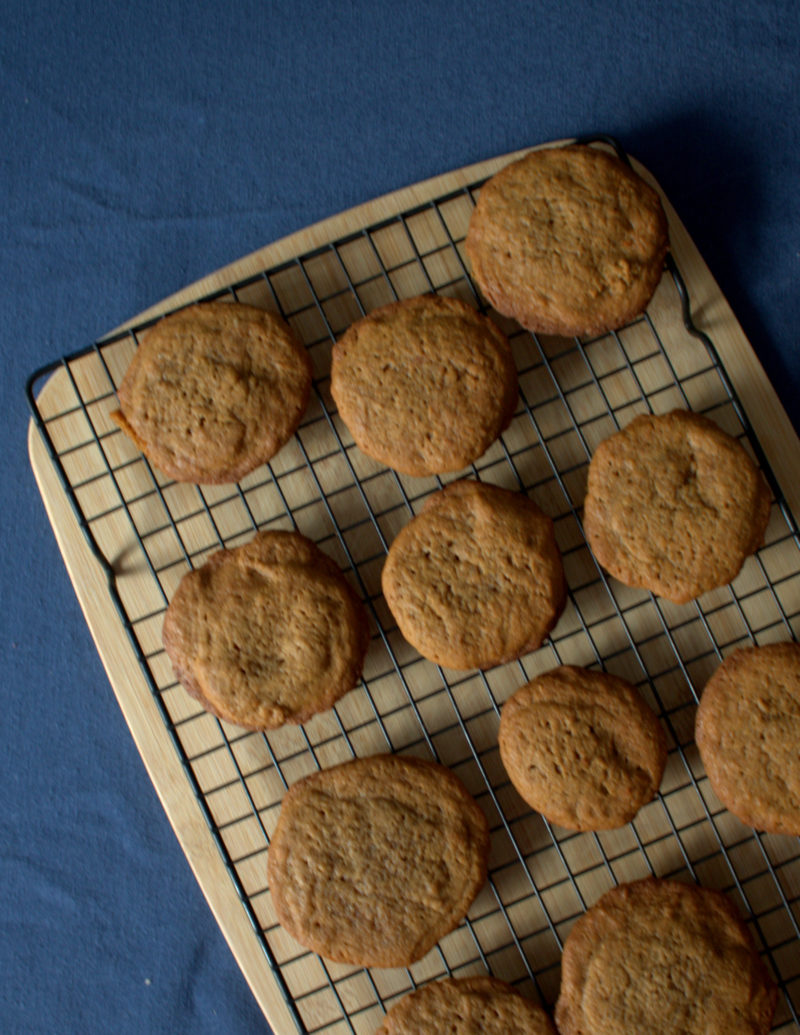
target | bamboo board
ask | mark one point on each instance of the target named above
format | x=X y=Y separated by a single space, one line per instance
x=222 y=797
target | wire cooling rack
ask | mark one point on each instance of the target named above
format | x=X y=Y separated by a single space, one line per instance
x=147 y=532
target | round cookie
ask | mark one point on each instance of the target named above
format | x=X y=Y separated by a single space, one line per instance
x=267 y=633
x=424 y=385
x=568 y=240
x=373 y=861
x=748 y=733
x=674 y=505
x=582 y=748
x=476 y=579
x=466 y=1006
x=662 y=956
x=214 y=390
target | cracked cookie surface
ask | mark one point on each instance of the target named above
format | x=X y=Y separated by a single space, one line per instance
x=214 y=390
x=582 y=748
x=466 y=1006
x=476 y=579
x=424 y=385
x=373 y=861
x=663 y=956
x=748 y=733
x=568 y=240
x=267 y=633
x=674 y=505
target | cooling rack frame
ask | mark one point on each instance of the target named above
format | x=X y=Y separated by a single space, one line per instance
x=473 y=700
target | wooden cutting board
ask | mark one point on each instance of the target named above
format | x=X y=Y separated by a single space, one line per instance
x=404 y=243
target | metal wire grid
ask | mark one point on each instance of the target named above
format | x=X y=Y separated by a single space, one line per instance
x=147 y=531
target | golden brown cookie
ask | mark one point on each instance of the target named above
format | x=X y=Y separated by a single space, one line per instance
x=674 y=505
x=748 y=734
x=476 y=578
x=466 y=1006
x=425 y=385
x=214 y=390
x=267 y=633
x=375 y=860
x=568 y=240
x=663 y=956
x=582 y=748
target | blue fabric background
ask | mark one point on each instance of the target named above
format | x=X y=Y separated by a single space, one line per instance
x=147 y=144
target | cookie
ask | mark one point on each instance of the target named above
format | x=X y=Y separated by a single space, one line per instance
x=213 y=391
x=748 y=733
x=582 y=748
x=662 y=956
x=568 y=240
x=375 y=860
x=466 y=1006
x=425 y=385
x=267 y=633
x=674 y=505
x=476 y=578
